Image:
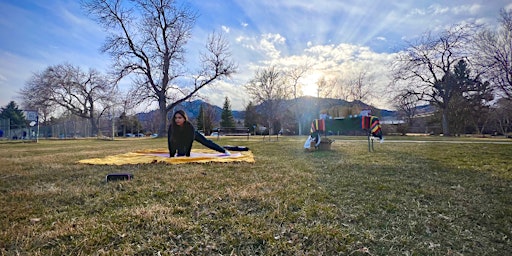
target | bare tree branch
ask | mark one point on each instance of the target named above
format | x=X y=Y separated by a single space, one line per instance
x=147 y=40
x=493 y=54
x=424 y=67
x=83 y=94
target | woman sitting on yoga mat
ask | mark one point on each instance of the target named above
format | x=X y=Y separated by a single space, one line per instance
x=181 y=134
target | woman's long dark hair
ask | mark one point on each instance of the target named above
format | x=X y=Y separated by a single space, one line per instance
x=175 y=127
x=182 y=113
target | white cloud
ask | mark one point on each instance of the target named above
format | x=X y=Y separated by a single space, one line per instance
x=268 y=43
x=334 y=36
x=416 y=11
x=437 y=9
x=275 y=38
x=265 y=45
x=216 y=93
x=466 y=9
x=330 y=61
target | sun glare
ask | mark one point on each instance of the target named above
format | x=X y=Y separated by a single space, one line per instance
x=309 y=87
x=309 y=90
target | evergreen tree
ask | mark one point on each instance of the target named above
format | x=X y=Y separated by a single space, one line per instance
x=470 y=105
x=200 y=119
x=209 y=115
x=123 y=124
x=227 y=119
x=128 y=124
x=251 y=116
x=15 y=115
x=204 y=119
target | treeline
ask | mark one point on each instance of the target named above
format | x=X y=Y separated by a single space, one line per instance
x=464 y=71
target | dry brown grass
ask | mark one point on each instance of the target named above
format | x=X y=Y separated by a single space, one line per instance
x=431 y=198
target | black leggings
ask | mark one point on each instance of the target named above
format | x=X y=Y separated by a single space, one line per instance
x=208 y=143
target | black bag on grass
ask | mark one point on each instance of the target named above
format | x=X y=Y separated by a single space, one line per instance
x=236 y=148
x=118 y=177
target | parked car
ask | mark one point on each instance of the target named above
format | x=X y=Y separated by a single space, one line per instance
x=129 y=135
x=154 y=135
x=214 y=134
x=140 y=135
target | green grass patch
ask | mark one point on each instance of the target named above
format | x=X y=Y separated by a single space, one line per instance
x=412 y=196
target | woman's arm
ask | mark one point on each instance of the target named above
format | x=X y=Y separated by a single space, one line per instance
x=189 y=135
x=172 y=150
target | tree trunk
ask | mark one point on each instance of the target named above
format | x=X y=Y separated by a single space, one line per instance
x=446 y=128
x=479 y=130
x=162 y=129
x=94 y=126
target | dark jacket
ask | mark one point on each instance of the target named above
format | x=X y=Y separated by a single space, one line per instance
x=179 y=139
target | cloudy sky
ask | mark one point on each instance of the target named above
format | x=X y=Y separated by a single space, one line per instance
x=333 y=36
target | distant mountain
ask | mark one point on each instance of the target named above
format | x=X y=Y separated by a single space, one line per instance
x=192 y=109
x=425 y=109
x=307 y=103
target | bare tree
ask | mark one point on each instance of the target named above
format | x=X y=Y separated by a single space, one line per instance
x=355 y=86
x=32 y=100
x=151 y=46
x=361 y=86
x=494 y=53
x=124 y=105
x=269 y=88
x=502 y=116
x=341 y=89
x=479 y=99
x=294 y=76
x=427 y=64
x=325 y=87
x=83 y=94
x=406 y=103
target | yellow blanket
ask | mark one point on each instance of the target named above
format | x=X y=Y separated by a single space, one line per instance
x=162 y=155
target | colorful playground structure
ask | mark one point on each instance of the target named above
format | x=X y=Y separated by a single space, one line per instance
x=364 y=124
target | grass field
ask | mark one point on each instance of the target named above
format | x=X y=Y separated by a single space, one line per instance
x=433 y=197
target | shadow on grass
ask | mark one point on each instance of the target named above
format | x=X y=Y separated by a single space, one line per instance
x=413 y=199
